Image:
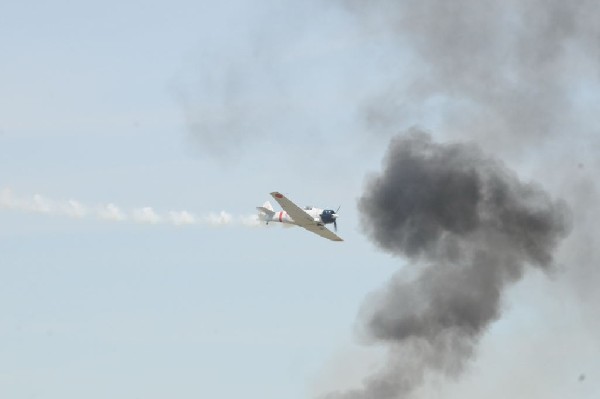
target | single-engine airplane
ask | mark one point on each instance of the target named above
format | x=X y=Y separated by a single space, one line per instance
x=312 y=219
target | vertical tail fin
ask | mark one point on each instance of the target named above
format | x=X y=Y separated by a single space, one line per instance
x=267 y=205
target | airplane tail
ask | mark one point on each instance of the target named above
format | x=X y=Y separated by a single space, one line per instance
x=265 y=212
x=267 y=205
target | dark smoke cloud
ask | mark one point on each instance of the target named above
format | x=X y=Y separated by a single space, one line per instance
x=472 y=227
x=520 y=77
x=506 y=71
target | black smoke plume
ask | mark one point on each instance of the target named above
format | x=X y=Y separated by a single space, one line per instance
x=470 y=228
x=508 y=72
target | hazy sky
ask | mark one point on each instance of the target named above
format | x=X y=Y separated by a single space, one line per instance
x=142 y=111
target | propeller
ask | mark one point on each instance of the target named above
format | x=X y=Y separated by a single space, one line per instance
x=330 y=216
x=335 y=218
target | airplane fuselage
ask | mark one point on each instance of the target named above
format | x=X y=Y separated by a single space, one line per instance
x=284 y=217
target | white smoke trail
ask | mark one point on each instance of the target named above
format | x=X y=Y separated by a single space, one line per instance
x=111 y=212
x=74 y=209
x=181 y=218
x=251 y=221
x=219 y=219
x=146 y=215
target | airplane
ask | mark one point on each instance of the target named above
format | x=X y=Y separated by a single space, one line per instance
x=312 y=219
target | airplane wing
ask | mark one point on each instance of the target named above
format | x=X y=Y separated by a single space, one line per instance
x=302 y=218
x=323 y=232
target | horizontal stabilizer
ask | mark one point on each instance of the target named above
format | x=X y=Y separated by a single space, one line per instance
x=266 y=211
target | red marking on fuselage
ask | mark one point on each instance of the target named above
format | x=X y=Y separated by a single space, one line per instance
x=281 y=216
x=279 y=195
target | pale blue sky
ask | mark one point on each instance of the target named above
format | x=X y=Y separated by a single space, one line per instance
x=96 y=99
